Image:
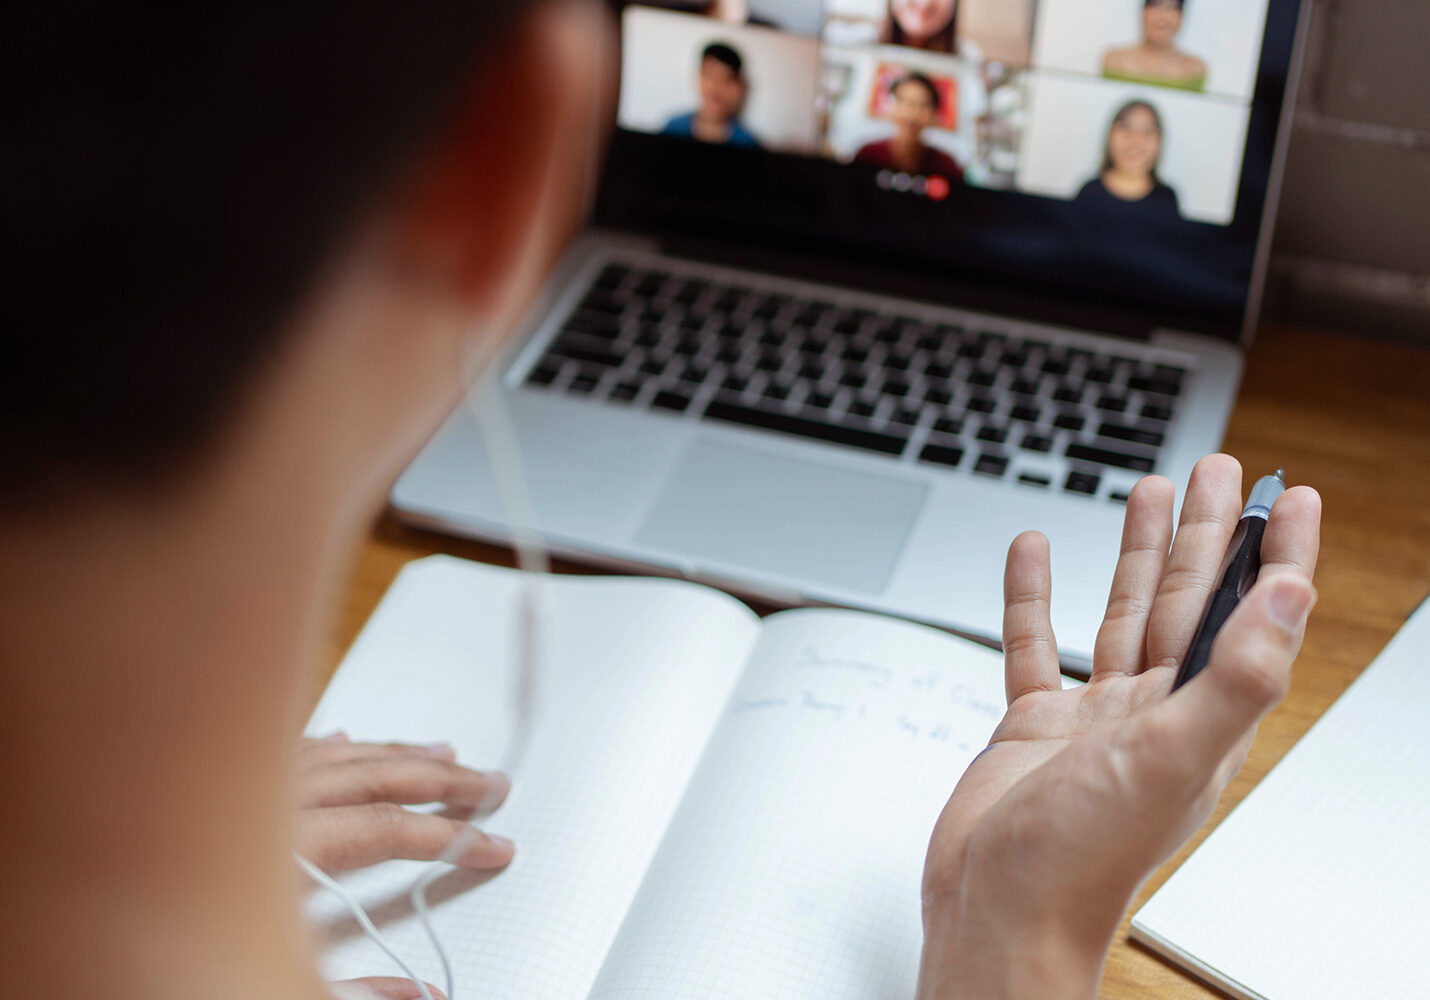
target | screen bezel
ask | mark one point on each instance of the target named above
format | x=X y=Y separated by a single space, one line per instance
x=772 y=211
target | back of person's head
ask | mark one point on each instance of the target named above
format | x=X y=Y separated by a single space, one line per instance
x=725 y=55
x=174 y=182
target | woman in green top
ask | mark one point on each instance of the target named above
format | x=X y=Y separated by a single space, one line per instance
x=1156 y=60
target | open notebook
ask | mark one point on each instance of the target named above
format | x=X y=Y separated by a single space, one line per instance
x=709 y=805
x=1317 y=887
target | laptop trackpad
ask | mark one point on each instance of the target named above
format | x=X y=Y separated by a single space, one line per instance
x=740 y=506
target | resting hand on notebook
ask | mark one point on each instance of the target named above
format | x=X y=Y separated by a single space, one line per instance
x=351 y=798
x=1083 y=793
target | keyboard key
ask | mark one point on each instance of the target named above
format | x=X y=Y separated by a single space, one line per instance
x=1024 y=387
x=1161 y=386
x=1069 y=421
x=982 y=404
x=895 y=387
x=1082 y=482
x=991 y=465
x=898 y=361
x=819 y=400
x=651 y=283
x=582 y=384
x=612 y=275
x=1156 y=411
x=652 y=367
x=1118 y=496
x=689 y=292
x=587 y=351
x=1113 y=404
x=735 y=383
x=938 y=397
x=993 y=434
x=1136 y=435
x=854 y=380
x=861 y=408
x=602 y=301
x=1056 y=366
x=905 y=415
x=593 y=324
x=939 y=370
x=891 y=443
x=1036 y=442
x=856 y=354
x=624 y=392
x=1031 y=479
x=777 y=390
x=1099 y=373
x=948 y=425
x=941 y=455
x=982 y=378
x=668 y=400
x=1068 y=394
x=1029 y=414
x=1105 y=456
x=543 y=374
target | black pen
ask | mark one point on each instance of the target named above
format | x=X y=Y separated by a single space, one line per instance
x=1238 y=573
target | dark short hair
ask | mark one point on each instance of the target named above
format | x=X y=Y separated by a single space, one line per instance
x=173 y=181
x=924 y=82
x=724 y=54
x=1179 y=4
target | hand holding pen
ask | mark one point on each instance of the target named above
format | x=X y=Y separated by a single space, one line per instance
x=1239 y=571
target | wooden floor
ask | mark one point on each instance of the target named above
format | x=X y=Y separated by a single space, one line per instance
x=1348 y=416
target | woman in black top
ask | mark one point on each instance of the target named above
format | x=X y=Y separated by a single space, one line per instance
x=1127 y=198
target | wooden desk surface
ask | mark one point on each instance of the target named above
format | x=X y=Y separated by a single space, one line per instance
x=1346 y=415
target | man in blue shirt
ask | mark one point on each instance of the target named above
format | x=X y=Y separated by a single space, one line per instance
x=722 y=94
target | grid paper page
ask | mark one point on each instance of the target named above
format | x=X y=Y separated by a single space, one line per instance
x=633 y=676
x=792 y=868
x=1318 y=884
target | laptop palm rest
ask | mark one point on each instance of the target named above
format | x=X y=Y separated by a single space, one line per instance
x=731 y=505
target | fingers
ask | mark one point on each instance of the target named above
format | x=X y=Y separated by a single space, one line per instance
x=1293 y=533
x=347 y=837
x=337 y=747
x=404 y=778
x=381 y=988
x=1210 y=512
x=1212 y=717
x=1146 y=536
x=1030 y=652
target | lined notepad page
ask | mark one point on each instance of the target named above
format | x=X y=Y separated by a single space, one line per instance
x=1318 y=884
x=793 y=867
x=634 y=675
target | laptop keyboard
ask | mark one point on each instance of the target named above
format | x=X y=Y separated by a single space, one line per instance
x=958 y=396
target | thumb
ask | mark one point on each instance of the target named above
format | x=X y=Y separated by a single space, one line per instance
x=1250 y=666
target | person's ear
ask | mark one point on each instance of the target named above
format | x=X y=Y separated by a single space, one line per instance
x=494 y=202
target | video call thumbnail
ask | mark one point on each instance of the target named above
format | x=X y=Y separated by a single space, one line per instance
x=1136 y=111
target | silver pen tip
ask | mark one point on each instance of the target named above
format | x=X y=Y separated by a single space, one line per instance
x=1281 y=474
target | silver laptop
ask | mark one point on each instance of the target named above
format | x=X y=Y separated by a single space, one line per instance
x=860 y=304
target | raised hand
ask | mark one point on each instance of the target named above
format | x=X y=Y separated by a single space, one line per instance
x=1082 y=793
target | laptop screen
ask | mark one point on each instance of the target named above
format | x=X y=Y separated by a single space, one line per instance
x=1110 y=151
